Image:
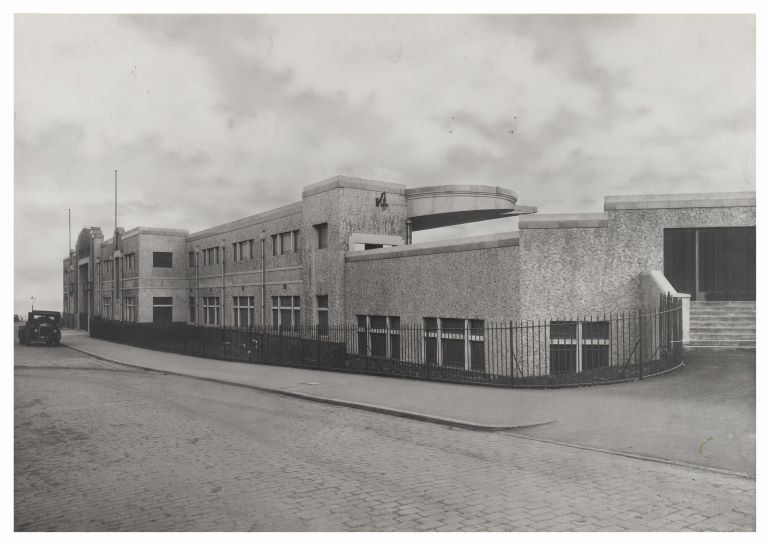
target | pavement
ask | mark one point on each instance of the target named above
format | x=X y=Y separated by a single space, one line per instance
x=100 y=446
x=703 y=415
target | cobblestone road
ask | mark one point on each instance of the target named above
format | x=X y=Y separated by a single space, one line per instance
x=105 y=448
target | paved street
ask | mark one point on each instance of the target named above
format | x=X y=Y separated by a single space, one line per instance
x=101 y=447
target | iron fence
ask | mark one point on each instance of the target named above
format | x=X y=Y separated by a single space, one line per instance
x=551 y=353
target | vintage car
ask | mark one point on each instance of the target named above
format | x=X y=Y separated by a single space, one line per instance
x=41 y=327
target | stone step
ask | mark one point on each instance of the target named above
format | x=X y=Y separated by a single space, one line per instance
x=721 y=343
x=721 y=335
x=723 y=304
x=742 y=316
x=718 y=321
x=718 y=348
x=727 y=332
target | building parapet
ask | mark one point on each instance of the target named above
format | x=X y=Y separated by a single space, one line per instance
x=556 y=221
x=463 y=189
x=339 y=181
x=267 y=216
x=681 y=200
x=480 y=242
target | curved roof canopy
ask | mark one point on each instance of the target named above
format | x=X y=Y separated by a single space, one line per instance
x=430 y=207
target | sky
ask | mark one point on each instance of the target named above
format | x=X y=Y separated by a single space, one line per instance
x=212 y=118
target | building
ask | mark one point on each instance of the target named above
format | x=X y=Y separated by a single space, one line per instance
x=343 y=255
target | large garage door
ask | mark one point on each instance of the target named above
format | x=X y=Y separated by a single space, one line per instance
x=713 y=263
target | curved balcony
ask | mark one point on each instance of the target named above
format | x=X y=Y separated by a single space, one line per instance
x=431 y=207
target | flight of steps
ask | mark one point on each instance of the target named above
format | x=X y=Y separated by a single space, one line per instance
x=723 y=324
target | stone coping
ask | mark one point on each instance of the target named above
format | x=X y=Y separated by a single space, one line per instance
x=262 y=217
x=497 y=240
x=140 y=230
x=570 y=220
x=462 y=189
x=681 y=200
x=339 y=181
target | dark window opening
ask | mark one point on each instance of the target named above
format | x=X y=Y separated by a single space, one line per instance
x=322 y=230
x=161 y=259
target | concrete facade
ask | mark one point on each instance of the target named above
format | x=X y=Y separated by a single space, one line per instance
x=555 y=266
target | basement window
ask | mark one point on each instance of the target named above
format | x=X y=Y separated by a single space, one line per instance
x=576 y=346
x=454 y=343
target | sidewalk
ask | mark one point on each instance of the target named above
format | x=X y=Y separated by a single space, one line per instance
x=696 y=416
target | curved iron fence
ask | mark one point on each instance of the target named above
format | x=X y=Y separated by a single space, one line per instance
x=545 y=354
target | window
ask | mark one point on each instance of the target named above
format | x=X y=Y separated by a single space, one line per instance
x=192 y=309
x=322 y=232
x=379 y=336
x=129 y=309
x=286 y=240
x=211 y=256
x=592 y=338
x=107 y=308
x=192 y=259
x=162 y=309
x=243 y=311
x=455 y=343
x=286 y=312
x=243 y=250
x=322 y=303
x=211 y=311
x=161 y=259
x=129 y=262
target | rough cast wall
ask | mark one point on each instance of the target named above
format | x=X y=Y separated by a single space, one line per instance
x=569 y=272
x=347 y=211
x=562 y=271
x=472 y=284
x=635 y=243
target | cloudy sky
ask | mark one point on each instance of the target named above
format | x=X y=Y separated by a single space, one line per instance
x=212 y=118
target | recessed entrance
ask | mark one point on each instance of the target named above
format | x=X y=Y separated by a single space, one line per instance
x=712 y=264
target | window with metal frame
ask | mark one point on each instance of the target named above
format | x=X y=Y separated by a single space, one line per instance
x=454 y=343
x=192 y=309
x=162 y=309
x=286 y=243
x=129 y=309
x=286 y=312
x=379 y=336
x=322 y=235
x=129 y=262
x=211 y=310
x=211 y=256
x=579 y=345
x=276 y=244
x=243 y=250
x=322 y=303
x=192 y=259
x=107 y=308
x=243 y=311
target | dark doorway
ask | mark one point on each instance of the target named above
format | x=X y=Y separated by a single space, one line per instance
x=711 y=264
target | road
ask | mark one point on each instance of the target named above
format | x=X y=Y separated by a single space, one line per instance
x=101 y=447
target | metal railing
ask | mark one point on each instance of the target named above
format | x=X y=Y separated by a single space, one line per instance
x=551 y=353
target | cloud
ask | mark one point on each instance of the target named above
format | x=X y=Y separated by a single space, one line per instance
x=249 y=109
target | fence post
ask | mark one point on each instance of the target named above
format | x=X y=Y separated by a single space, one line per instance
x=280 y=344
x=641 y=345
x=510 y=344
x=317 y=348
